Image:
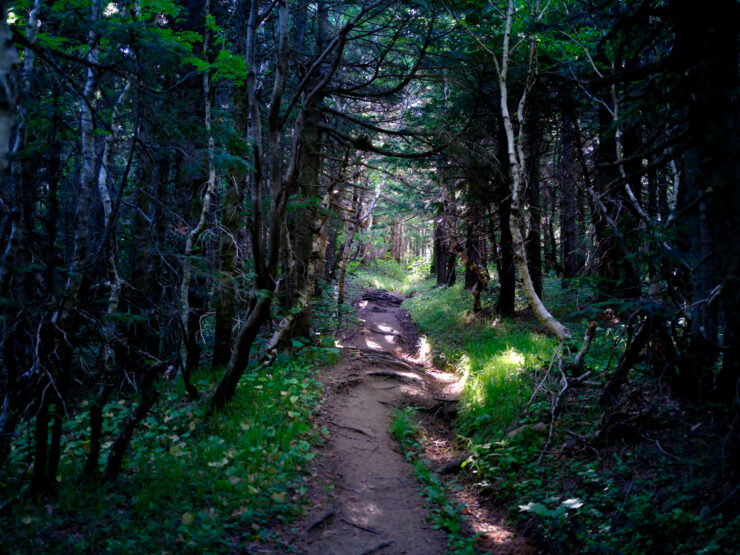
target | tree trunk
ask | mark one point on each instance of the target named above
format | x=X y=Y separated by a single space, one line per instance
x=517 y=166
x=506 y=268
x=449 y=216
x=309 y=191
x=475 y=244
x=149 y=396
x=441 y=251
x=231 y=223
x=566 y=178
x=533 y=242
x=226 y=290
x=711 y=163
x=330 y=264
x=618 y=276
x=318 y=251
x=534 y=236
x=193 y=299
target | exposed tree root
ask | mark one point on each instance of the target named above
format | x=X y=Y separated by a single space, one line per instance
x=377 y=548
x=323 y=519
x=395 y=375
x=454 y=465
x=361 y=527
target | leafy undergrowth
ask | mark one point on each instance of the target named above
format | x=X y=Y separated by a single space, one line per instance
x=658 y=481
x=445 y=514
x=190 y=483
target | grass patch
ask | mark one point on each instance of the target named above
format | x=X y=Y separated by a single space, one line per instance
x=492 y=355
x=404 y=278
x=189 y=483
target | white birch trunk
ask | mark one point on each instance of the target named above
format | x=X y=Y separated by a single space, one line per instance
x=318 y=251
x=8 y=101
x=207 y=197
x=114 y=279
x=516 y=161
x=87 y=178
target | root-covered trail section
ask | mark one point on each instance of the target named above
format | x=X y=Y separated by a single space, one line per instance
x=367 y=500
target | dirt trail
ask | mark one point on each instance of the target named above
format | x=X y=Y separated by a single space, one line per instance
x=374 y=506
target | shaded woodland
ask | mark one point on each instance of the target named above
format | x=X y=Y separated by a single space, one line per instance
x=186 y=183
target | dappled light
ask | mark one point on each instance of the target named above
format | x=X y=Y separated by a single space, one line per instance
x=373 y=344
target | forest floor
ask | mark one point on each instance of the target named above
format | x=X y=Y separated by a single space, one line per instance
x=364 y=497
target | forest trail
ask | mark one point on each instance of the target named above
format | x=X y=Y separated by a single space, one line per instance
x=373 y=506
x=363 y=496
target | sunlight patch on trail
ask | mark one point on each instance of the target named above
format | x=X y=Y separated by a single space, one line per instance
x=373 y=345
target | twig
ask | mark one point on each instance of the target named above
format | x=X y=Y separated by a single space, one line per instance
x=582 y=378
x=726 y=499
x=376 y=548
x=624 y=503
x=590 y=332
x=554 y=407
x=361 y=527
x=363 y=432
x=666 y=453
x=542 y=382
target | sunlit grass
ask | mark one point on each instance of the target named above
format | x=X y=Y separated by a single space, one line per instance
x=491 y=355
x=405 y=278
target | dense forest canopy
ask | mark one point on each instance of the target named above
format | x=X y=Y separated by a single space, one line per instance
x=183 y=181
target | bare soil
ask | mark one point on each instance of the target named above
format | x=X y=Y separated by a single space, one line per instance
x=363 y=497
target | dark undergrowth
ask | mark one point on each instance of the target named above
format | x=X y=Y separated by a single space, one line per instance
x=659 y=479
x=190 y=483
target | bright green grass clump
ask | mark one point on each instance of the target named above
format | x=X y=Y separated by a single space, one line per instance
x=492 y=355
x=189 y=483
x=392 y=276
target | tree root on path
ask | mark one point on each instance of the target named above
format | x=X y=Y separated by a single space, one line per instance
x=395 y=375
x=346 y=383
x=361 y=527
x=363 y=432
x=447 y=407
x=380 y=296
x=376 y=548
x=386 y=357
x=323 y=519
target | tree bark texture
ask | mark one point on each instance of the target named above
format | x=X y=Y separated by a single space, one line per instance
x=566 y=178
